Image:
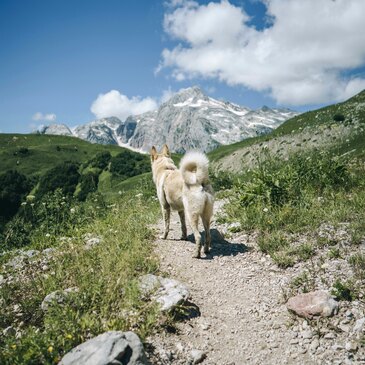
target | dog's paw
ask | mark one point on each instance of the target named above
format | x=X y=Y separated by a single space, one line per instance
x=196 y=255
x=183 y=238
x=163 y=237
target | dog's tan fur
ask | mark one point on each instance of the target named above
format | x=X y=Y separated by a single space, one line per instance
x=186 y=190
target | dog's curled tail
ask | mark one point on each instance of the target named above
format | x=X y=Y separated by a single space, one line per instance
x=194 y=168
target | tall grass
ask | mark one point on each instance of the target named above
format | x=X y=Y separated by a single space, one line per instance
x=283 y=198
x=106 y=277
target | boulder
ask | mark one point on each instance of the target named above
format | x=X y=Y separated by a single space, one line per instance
x=57 y=296
x=316 y=303
x=168 y=292
x=113 y=347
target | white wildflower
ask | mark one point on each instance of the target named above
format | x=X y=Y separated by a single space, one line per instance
x=265 y=210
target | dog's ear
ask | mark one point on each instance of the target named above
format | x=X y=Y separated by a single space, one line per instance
x=165 y=150
x=153 y=153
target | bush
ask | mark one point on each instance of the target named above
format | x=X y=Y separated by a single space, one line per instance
x=343 y=291
x=13 y=188
x=88 y=184
x=41 y=220
x=23 y=150
x=101 y=160
x=338 y=117
x=128 y=164
x=221 y=180
x=64 y=176
x=277 y=183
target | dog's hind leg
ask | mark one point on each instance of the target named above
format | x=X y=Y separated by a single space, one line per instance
x=194 y=222
x=166 y=218
x=183 y=225
x=206 y=218
x=208 y=238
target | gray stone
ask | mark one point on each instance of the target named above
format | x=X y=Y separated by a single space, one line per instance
x=48 y=251
x=351 y=346
x=317 y=303
x=345 y=328
x=359 y=325
x=329 y=336
x=197 y=356
x=148 y=284
x=9 y=331
x=307 y=334
x=168 y=292
x=30 y=253
x=57 y=296
x=314 y=346
x=114 y=347
x=91 y=242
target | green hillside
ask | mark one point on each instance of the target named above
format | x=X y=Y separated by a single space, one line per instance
x=33 y=154
x=349 y=114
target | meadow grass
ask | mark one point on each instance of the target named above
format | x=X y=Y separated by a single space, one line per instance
x=106 y=276
x=283 y=200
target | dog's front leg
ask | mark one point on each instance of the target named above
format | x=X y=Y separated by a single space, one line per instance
x=166 y=219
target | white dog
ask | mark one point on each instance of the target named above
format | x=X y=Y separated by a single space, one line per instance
x=186 y=190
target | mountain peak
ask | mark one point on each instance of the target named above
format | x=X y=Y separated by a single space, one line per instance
x=190 y=93
x=56 y=129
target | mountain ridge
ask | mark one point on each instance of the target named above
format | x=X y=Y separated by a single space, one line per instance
x=189 y=119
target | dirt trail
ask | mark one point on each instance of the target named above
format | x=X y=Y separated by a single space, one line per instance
x=238 y=291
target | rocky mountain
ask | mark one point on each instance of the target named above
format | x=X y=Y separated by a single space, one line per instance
x=190 y=119
x=56 y=129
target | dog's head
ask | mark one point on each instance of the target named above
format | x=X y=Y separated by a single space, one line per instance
x=165 y=152
x=161 y=162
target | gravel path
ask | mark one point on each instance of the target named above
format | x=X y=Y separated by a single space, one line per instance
x=243 y=319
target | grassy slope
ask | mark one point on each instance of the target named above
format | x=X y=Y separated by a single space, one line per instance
x=352 y=109
x=43 y=153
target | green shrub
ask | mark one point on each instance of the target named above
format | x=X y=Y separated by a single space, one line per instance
x=343 y=291
x=42 y=219
x=338 y=117
x=88 y=184
x=128 y=164
x=101 y=160
x=221 y=180
x=358 y=264
x=64 y=176
x=13 y=188
x=23 y=150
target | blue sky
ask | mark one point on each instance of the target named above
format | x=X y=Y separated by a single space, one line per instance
x=60 y=60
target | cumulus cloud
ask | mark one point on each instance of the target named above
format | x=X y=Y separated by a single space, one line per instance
x=302 y=57
x=113 y=103
x=44 y=117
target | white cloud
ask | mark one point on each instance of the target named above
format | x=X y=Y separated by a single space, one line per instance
x=300 y=59
x=44 y=117
x=113 y=103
